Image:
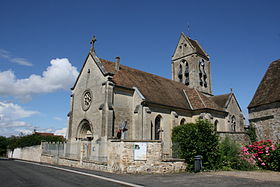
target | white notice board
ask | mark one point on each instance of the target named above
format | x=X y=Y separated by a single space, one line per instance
x=140 y=151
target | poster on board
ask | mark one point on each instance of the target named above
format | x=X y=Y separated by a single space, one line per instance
x=140 y=151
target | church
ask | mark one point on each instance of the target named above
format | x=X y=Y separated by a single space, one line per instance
x=111 y=101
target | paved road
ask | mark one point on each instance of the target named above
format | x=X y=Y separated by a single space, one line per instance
x=15 y=173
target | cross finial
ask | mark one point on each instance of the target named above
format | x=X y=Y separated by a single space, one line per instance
x=93 y=40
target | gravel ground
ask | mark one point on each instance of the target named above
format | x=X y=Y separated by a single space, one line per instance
x=257 y=175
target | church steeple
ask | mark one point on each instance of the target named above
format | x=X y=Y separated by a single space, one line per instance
x=191 y=65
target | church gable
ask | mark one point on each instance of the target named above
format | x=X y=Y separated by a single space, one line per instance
x=87 y=97
x=183 y=48
x=187 y=46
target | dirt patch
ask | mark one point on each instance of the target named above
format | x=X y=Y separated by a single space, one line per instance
x=257 y=175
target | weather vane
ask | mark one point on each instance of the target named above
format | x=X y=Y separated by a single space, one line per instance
x=93 y=40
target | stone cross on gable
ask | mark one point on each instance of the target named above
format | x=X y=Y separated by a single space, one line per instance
x=93 y=40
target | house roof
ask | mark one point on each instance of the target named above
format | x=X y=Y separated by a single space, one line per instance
x=160 y=90
x=221 y=100
x=269 y=88
x=199 y=50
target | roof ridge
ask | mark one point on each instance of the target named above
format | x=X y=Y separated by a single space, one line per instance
x=200 y=98
x=150 y=74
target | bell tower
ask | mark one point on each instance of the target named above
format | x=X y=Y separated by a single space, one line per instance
x=191 y=65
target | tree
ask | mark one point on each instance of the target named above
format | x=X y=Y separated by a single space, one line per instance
x=198 y=138
x=3 y=145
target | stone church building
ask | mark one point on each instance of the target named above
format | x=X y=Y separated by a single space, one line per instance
x=264 y=109
x=111 y=101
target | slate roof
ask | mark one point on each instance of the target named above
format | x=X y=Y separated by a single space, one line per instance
x=221 y=100
x=269 y=88
x=160 y=90
x=199 y=50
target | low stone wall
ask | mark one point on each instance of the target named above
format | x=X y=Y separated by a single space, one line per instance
x=50 y=159
x=239 y=137
x=32 y=153
x=123 y=158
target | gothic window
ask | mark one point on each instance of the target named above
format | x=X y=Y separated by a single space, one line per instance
x=180 y=75
x=152 y=127
x=202 y=74
x=157 y=127
x=183 y=121
x=233 y=123
x=216 y=125
x=187 y=75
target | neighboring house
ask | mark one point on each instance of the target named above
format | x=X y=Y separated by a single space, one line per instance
x=264 y=109
x=113 y=101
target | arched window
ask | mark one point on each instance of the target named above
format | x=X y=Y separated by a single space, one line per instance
x=233 y=123
x=180 y=73
x=216 y=125
x=157 y=127
x=182 y=122
x=202 y=74
x=187 y=75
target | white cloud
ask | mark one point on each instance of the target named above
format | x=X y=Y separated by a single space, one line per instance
x=58 y=119
x=59 y=75
x=24 y=131
x=10 y=118
x=61 y=132
x=21 y=61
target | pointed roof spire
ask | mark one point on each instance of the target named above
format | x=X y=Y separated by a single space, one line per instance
x=93 y=40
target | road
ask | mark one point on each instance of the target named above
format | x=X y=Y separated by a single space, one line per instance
x=20 y=173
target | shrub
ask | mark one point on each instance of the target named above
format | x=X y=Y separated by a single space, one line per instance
x=229 y=151
x=264 y=154
x=198 y=138
x=3 y=145
x=252 y=133
x=231 y=158
x=274 y=159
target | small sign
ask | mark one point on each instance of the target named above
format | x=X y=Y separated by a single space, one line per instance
x=140 y=151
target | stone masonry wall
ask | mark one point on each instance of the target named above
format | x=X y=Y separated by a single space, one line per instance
x=239 y=137
x=266 y=119
x=121 y=159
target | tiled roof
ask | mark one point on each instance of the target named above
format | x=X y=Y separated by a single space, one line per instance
x=221 y=100
x=269 y=88
x=160 y=90
x=198 y=48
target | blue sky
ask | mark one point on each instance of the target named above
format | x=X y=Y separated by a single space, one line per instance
x=43 y=45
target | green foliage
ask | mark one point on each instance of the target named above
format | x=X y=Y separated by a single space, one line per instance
x=229 y=153
x=198 y=138
x=230 y=156
x=252 y=133
x=30 y=140
x=3 y=145
x=274 y=163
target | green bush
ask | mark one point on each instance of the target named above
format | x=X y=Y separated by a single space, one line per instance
x=3 y=145
x=274 y=159
x=198 y=138
x=252 y=133
x=230 y=156
x=229 y=151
